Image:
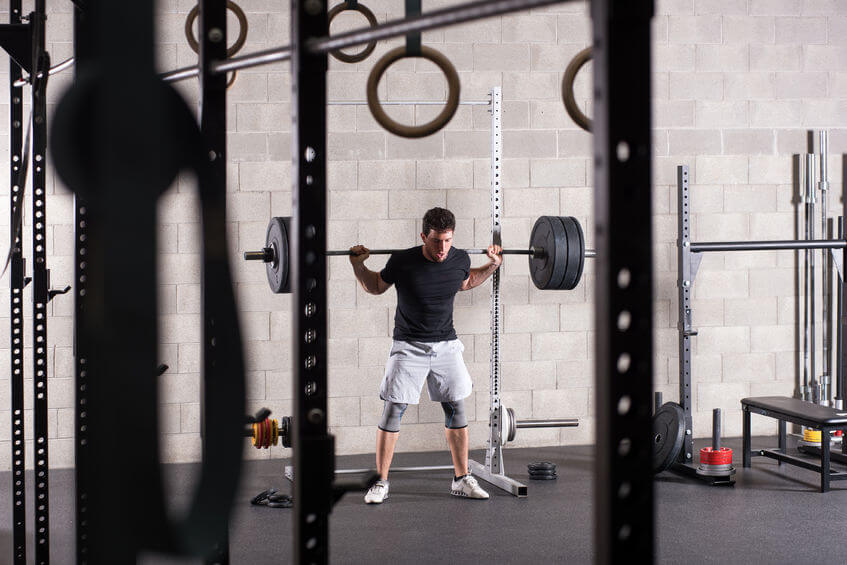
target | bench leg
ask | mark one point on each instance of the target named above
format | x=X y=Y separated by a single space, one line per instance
x=825 y=460
x=782 y=441
x=745 y=442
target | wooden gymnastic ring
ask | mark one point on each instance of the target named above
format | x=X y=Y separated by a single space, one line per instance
x=231 y=80
x=242 y=28
x=440 y=120
x=579 y=60
x=369 y=48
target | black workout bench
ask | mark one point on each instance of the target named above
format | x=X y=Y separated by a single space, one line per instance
x=797 y=411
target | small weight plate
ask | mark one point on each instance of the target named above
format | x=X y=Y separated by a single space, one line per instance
x=547 y=270
x=668 y=435
x=575 y=253
x=278 y=268
x=543 y=477
x=538 y=466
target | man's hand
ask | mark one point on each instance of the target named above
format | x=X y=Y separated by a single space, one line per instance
x=493 y=253
x=359 y=254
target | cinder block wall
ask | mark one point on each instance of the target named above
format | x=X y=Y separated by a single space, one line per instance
x=736 y=85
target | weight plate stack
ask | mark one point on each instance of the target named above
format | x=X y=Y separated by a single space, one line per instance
x=548 y=269
x=542 y=471
x=575 y=253
x=276 y=239
x=668 y=435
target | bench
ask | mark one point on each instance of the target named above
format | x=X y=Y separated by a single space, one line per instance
x=796 y=411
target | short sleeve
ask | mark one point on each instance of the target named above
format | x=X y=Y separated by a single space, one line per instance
x=466 y=265
x=388 y=274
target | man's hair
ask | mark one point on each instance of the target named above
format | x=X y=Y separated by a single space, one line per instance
x=438 y=219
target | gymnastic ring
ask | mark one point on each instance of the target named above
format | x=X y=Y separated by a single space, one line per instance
x=369 y=48
x=440 y=120
x=231 y=79
x=242 y=28
x=579 y=60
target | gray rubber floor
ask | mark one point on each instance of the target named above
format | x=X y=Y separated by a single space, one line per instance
x=772 y=515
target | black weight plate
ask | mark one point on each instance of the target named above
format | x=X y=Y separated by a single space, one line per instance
x=575 y=253
x=541 y=466
x=546 y=271
x=278 y=269
x=668 y=435
x=543 y=477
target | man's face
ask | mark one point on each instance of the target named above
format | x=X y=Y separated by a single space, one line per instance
x=436 y=244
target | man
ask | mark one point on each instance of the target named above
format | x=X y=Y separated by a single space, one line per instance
x=425 y=348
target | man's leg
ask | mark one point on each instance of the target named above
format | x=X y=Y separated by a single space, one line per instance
x=385 y=442
x=457 y=439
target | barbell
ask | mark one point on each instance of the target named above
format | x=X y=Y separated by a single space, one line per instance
x=556 y=253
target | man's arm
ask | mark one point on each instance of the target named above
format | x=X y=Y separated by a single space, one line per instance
x=370 y=280
x=479 y=274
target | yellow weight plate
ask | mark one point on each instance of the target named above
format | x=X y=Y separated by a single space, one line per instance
x=812 y=435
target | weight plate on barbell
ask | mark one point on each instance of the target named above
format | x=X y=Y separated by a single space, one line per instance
x=548 y=269
x=575 y=253
x=668 y=435
x=278 y=268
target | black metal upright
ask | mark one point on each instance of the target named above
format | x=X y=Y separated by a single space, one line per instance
x=212 y=34
x=16 y=283
x=314 y=449
x=40 y=284
x=624 y=528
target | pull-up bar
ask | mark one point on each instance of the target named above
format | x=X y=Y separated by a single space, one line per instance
x=703 y=247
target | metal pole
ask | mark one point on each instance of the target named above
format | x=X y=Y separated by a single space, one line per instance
x=810 y=183
x=807 y=391
x=839 y=326
x=709 y=246
x=550 y=423
x=623 y=485
x=716 y=429
x=826 y=279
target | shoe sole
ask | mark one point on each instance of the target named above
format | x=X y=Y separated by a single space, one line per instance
x=463 y=494
x=376 y=501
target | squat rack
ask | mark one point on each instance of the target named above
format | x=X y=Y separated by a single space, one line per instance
x=622 y=150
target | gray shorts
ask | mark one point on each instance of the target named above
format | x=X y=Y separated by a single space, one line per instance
x=439 y=363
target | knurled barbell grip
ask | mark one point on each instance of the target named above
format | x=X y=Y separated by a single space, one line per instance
x=266 y=254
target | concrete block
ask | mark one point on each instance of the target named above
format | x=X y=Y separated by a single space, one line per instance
x=803 y=30
x=749 y=142
x=694 y=29
x=557 y=172
x=530 y=318
x=531 y=28
x=574 y=374
x=560 y=403
x=358 y=322
x=526 y=85
x=693 y=142
x=431 y=147
x=481 y=31
x=386 y=175
x=824 y=58
x=721 y=169
x=775 y=7
x=771 y=226
x=179 y=328
x=772 y=338
x=508 y=57
x=772 y=282
x=341 y=293
x=277 y=385
x=726 y=396
x=748 y=29
x=344 y=411
x=674 y=57
x=748 y=367
x=721 y=58
x=468 y=204
x=530 y=203
x=530 y=144
x=342 y=175
x=358 y=205
x=390 y=233
x=267 y=355
x=444 y=174
x=574 y=317
x=724 y=340
x=673 y=113
x=343 y=352
x=467 y=144
x=825 y=113
x=528 y=375
x=189 y=355
x=355 y=146
x=189 y=418
x=179 y=388
x=569 y=346
x=573 y=28
x=696 y=86
x=706 y=312
x=748 y=86
x=751 y=311
x=721 y=113
x=775 y=57
x=577 y=202
x=264 y=176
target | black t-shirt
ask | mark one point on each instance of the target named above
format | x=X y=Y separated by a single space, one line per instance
x=425 y=292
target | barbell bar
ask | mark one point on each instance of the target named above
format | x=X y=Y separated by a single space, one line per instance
x=556 y=253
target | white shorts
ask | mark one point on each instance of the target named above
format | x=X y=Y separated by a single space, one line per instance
x=439 y=363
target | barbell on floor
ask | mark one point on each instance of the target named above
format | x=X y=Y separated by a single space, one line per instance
x=556 y=253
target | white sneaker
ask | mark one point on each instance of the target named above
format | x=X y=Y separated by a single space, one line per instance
x=467 y=487
x=377 y=493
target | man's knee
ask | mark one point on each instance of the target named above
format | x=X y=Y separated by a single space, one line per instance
x=454 y=415
x=392 y=412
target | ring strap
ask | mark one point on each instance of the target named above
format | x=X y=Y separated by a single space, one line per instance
x=413 y=40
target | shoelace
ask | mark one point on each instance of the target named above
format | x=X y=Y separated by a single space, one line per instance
x=377 y=487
